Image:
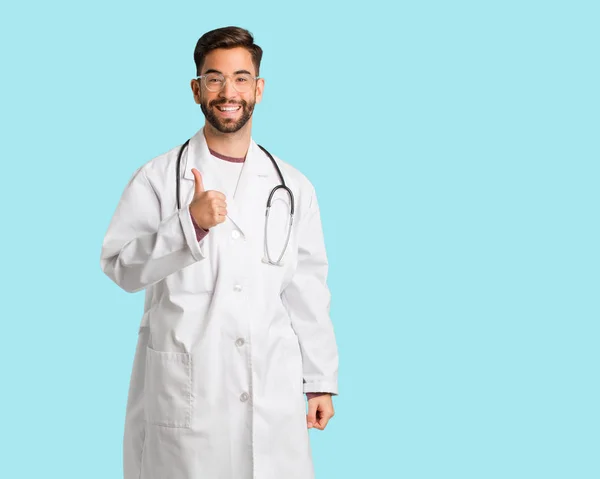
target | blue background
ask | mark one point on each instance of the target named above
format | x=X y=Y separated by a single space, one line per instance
x=454 y=148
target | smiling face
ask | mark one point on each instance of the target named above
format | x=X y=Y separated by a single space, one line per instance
x=228 y=110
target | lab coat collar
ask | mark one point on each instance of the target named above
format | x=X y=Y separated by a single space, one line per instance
x=256 y=171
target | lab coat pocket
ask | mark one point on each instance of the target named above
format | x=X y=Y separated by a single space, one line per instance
x=168 y=388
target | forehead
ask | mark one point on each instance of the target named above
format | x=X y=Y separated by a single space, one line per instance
x=229 y=60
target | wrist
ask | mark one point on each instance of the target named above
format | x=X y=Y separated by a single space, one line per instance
x=195 y=223
x=314 y=395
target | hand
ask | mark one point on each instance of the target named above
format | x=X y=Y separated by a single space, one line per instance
x=207 y=207
x=320 y=411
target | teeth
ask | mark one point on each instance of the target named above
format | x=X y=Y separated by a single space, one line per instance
x=231 y=108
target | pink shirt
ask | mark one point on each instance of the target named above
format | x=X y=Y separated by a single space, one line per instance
x=201 y=233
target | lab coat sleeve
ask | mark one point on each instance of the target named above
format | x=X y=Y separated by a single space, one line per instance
x=307 y=299
x=140 y=248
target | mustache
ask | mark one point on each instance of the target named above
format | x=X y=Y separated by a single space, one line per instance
x=223 y=102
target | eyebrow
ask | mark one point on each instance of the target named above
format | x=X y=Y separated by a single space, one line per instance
x=237 y=72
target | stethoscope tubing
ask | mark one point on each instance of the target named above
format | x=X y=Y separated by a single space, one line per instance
x=269 y=199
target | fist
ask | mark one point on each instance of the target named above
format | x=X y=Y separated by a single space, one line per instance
x=320 y=411
x=207 y=207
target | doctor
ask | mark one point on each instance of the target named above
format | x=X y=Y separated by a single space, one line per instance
x=228 y=342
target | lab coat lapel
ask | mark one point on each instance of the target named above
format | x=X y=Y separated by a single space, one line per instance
x=247 y=205
x=199 y=157
x=248 y=208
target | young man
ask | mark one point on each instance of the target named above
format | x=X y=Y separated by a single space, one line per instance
x=233 y=332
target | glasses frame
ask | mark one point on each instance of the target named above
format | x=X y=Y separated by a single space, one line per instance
x=226 y=78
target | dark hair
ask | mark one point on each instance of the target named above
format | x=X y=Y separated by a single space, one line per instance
x=226 y=37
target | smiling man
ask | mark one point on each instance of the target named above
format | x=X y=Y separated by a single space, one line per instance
x=223 y=114
x=226 y=240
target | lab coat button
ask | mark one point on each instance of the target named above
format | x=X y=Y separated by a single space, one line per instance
x=237 y=287
x=244 y=397
x=235 y=234
x=239 y=341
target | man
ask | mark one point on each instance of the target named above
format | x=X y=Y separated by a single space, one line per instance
x=232 y=335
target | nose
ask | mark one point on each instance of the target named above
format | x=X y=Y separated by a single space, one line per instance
x=228 y=90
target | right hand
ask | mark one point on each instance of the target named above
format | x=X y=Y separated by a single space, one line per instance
x=207 y=207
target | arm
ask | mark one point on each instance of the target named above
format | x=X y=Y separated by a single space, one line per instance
x=307 y=300
x=140 y=248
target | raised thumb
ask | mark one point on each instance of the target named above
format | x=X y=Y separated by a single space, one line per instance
x=198 y=183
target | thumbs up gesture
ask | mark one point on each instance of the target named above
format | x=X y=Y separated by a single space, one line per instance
x=207 y=207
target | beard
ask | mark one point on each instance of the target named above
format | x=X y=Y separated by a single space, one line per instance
x=227 y=125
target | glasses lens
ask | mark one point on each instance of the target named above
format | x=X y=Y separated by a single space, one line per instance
x=241 y=82
x=214 y=81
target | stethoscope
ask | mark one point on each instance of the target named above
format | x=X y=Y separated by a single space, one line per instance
x=267 y=259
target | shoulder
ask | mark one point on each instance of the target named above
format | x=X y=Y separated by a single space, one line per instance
x=296 y=180
x=161 y=164
x=292 y=175
x=159 y=170
x=302 y=188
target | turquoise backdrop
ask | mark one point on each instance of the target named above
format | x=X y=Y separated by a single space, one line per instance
x=455 y=150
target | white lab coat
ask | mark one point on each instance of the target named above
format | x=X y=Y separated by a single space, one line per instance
x=227 y=344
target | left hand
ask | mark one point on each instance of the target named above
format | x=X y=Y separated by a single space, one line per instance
x=320 y=411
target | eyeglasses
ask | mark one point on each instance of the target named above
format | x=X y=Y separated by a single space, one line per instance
x=242 y=82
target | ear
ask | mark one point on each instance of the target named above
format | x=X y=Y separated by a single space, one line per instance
x=195 y=85
x=260 y=85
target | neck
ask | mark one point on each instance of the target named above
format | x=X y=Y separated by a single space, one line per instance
x=229 y=144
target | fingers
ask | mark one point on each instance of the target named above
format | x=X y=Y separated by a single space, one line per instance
x=198 y=183
x=216 y=215
x=320 y=411
x=311 y=417
x=221 y=214
x=219 y=208
x=214 y=194
x=216 y=205
x=209 y=208
x=323 y=418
